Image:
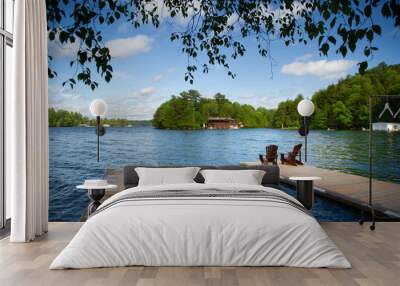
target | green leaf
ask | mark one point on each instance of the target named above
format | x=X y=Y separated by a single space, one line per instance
x=361 y=33
x=325 y=48
x=332 y=39
x=386 y=10
x=88 y=42
x=326 y=14
x=362 y=67
x=63 y=36
x=377 y=29
x=370 y=35
x=343 y=51
x=367 y=11
x=320 y=39
x=102 y=4
x=333 y=23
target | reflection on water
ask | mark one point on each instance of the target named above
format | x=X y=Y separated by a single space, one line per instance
x=73 y=154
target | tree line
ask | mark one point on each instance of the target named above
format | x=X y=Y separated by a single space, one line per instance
x=64 y=118
x=191 y=110
x=343 y=105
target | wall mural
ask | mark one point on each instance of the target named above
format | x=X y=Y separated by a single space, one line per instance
x=161 y=113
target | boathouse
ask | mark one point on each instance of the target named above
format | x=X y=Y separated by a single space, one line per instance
x=222 y=123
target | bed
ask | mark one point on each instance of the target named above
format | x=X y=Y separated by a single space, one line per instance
x=201 y=224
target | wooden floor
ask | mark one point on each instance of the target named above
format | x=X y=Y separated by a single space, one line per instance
x=347 y=188
x=375 y=257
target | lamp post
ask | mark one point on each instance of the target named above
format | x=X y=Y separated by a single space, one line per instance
x=305 y=109
x=98 y=107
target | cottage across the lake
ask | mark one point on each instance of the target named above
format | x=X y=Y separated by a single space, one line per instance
x=222 y=123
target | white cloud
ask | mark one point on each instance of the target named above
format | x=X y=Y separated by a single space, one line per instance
x=157 y=78
x=233 y=19
x=123 y=28
x=322 y=68
x=126 y=47
x=278 y=14
x=304 y=57
x=164 y=74
x=139 y=104
x=119 y=48
x=64 y=98
x=58 y=50
x=146 y=91
x=165 y=14
x=143 y=93
x=171 y=70
x=121 y=74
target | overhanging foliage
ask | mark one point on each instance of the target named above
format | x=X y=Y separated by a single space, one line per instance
x=217 y=28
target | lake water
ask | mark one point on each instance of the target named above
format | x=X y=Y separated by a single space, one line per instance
x=73 y=154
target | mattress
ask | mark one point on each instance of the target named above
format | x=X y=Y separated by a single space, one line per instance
x=201 y=225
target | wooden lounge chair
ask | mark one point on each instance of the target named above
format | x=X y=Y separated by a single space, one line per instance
x=271 y=152
x=291 y=156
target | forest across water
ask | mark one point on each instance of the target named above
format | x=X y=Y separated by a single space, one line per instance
x=341 y=106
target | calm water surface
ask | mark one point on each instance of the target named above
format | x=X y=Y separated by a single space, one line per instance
x=73 y=154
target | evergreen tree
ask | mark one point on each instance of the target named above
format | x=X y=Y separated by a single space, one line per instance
x=342 y=115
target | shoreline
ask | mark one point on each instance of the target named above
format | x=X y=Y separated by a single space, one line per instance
x=206 y=129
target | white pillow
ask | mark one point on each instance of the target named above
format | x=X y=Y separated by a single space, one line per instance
x=248 y=177
x=166 y=176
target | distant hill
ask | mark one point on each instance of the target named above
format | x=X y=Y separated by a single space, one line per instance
x=344 y=105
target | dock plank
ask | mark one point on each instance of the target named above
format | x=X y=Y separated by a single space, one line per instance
x=386 y=195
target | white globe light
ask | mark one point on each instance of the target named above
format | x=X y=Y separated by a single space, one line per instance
x=98 y=107
x=305 y=107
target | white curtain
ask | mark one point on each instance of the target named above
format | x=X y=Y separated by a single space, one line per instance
x=27 y=124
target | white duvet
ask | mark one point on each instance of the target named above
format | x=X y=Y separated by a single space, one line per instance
x=193 y=231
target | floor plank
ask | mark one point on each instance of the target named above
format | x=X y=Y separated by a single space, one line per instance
x=375 y=257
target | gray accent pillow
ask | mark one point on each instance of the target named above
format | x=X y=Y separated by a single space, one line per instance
x=247 y=177
x=166 y=176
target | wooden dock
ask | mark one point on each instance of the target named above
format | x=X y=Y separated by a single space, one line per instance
x=347 y=188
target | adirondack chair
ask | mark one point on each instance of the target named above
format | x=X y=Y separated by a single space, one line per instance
x=291 y=156
x=271 y=152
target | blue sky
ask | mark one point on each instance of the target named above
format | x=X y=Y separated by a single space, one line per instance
x=149 y=68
